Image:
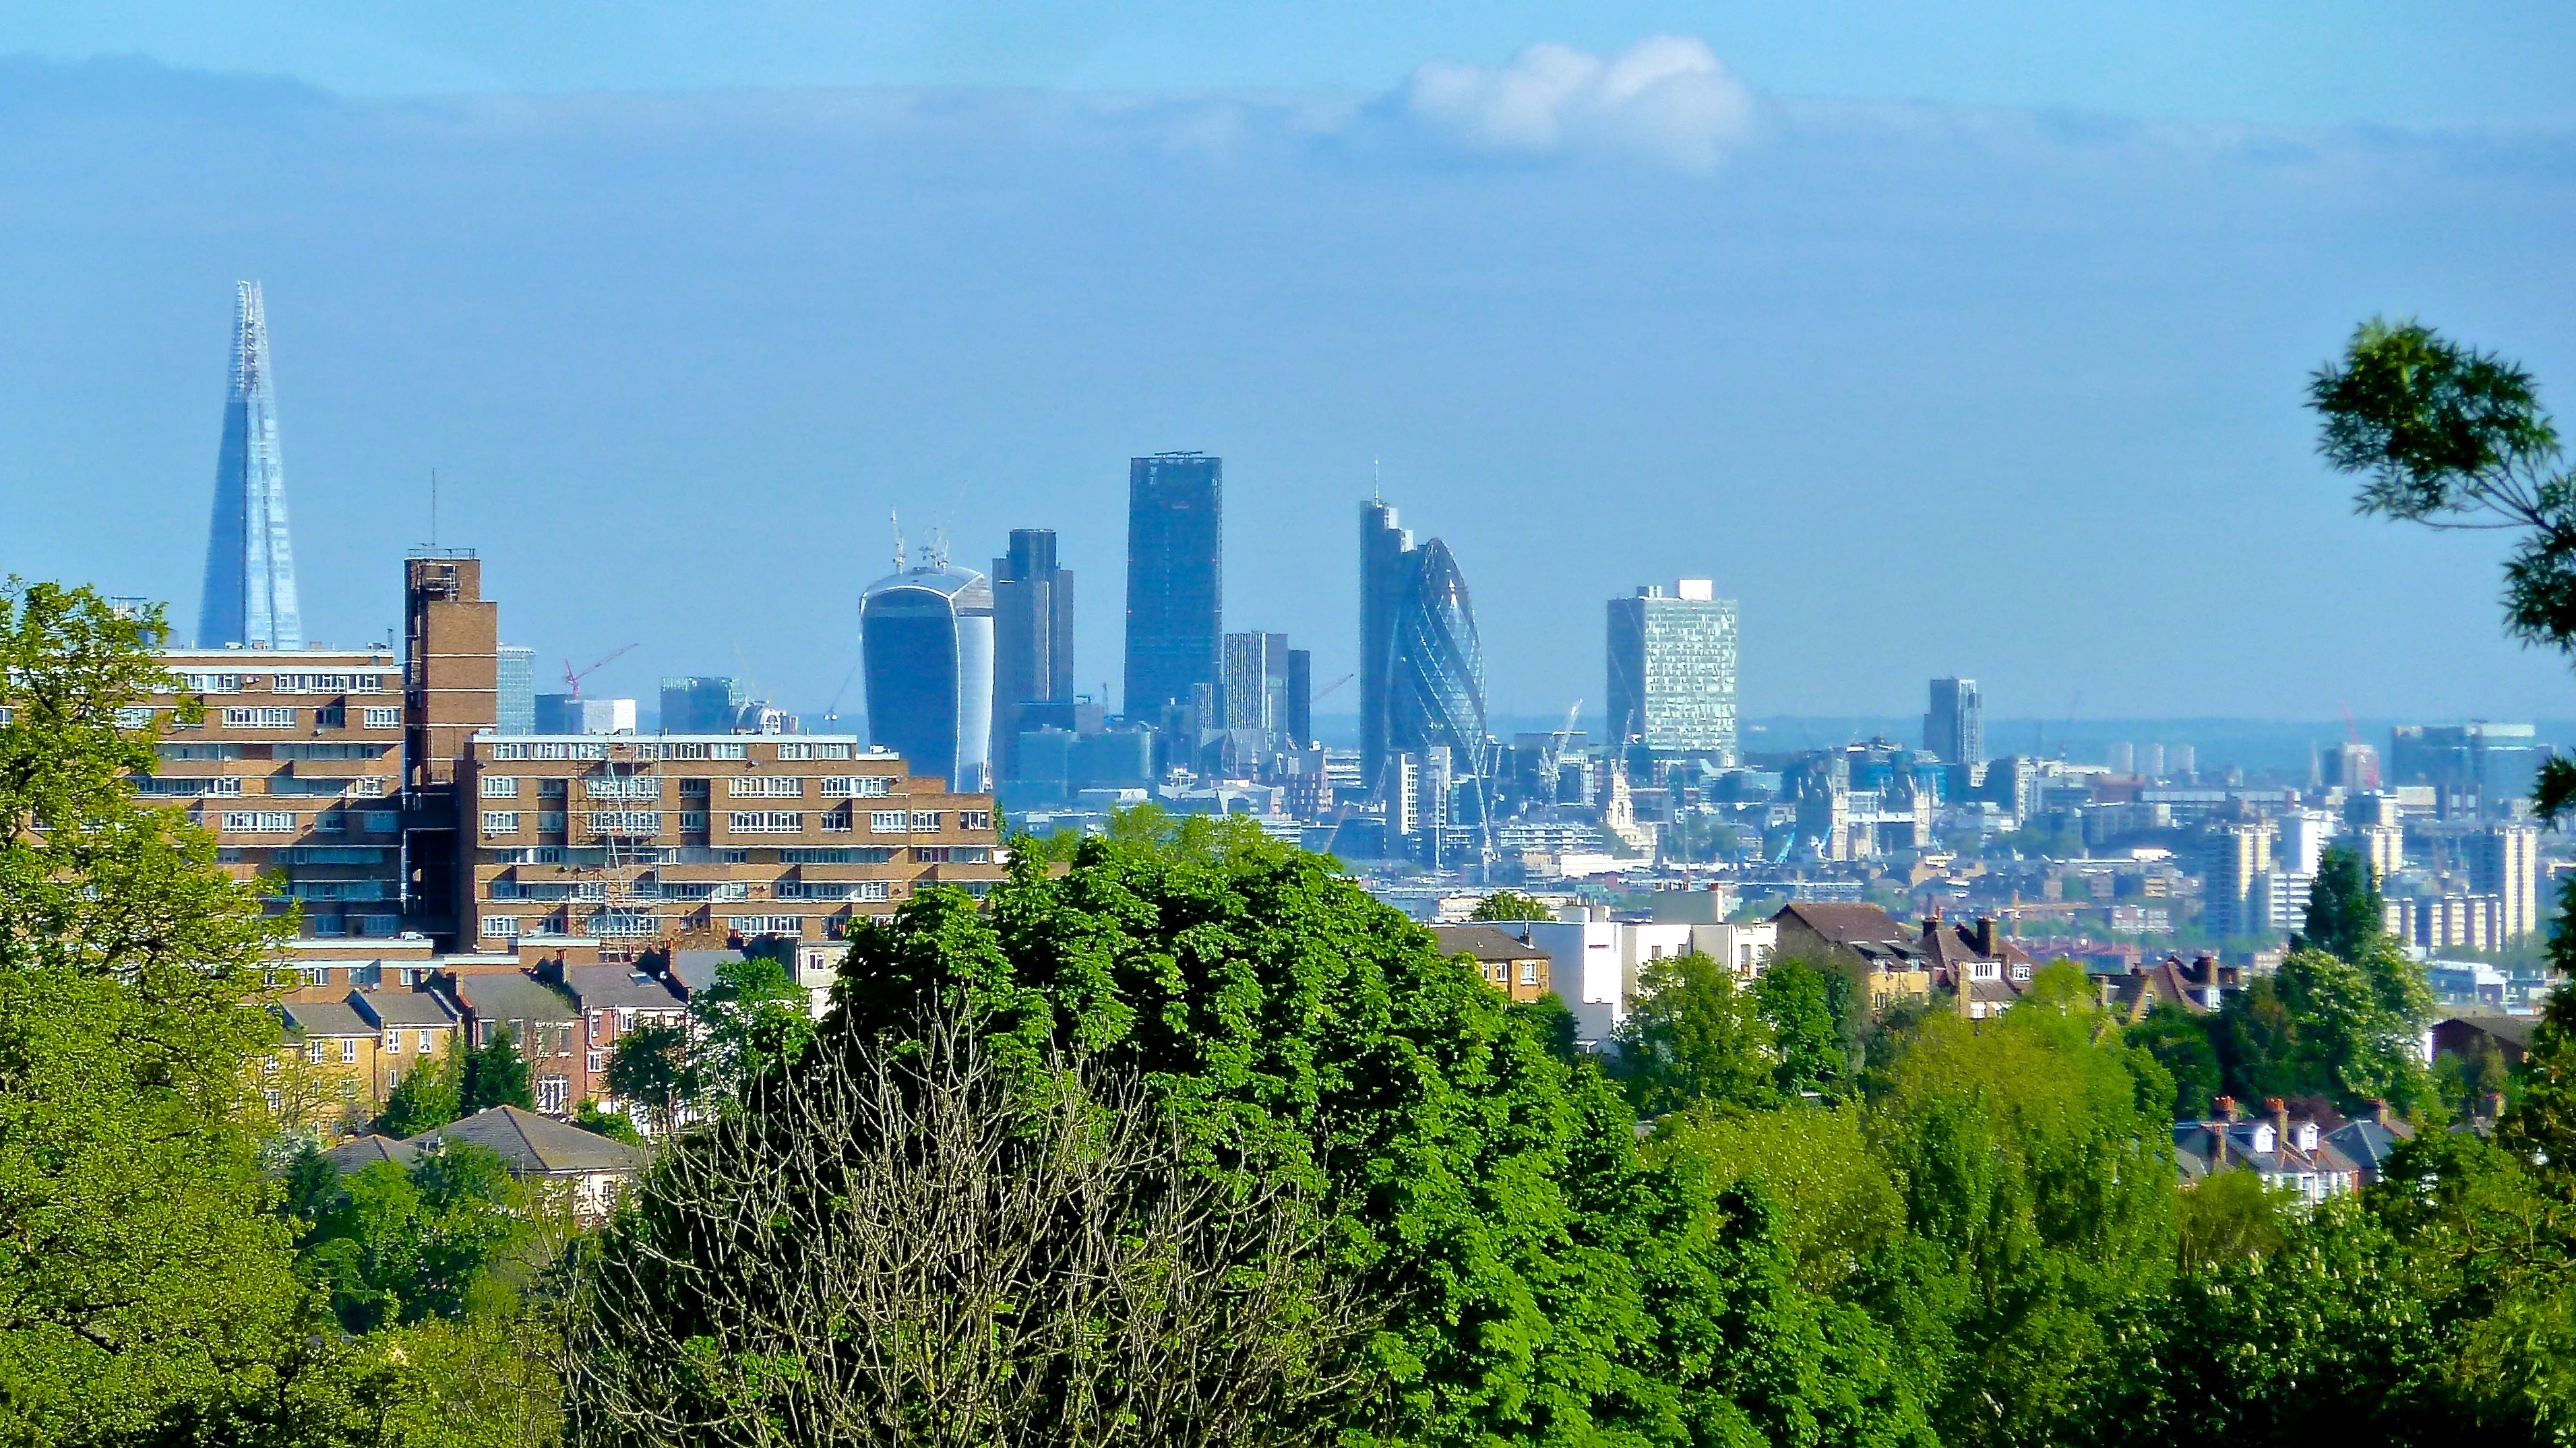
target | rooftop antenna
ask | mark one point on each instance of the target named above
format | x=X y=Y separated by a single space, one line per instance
x=1374 y=495
x=433 y=510
x=896 y=523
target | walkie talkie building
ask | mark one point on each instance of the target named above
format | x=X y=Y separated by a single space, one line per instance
x=926 y=639
x=249 y=597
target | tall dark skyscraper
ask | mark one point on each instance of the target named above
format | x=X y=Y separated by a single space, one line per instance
x=249 y=596
x=1175 y=583
x=1300 y=723
x=1954 y=728
x=1384 y=552
x=1032 y=638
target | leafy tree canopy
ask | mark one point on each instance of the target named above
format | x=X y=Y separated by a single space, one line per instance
x=1510 y=905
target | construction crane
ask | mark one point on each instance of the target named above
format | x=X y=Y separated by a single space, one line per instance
x=832 y=711
x=573 y=677
x=1319 y=693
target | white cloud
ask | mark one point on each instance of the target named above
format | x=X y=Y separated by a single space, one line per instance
x=1666 y=97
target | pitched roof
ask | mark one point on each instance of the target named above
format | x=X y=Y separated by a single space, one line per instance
x=324 y=1018
x=617 y=987
x=403 y=1007
x=1844 y=922
x=2368 y=1143
x=1484 y=942
x=360 y=1153
x=514 y=996
x=2514 y=1031
x=694 y=970
x=534 y=1145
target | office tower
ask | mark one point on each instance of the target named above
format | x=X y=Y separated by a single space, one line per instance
x=1300 y=722
x=2121 y=757
x=1175 y=583
x=1384 y=549
x=2353 y=768
x=515 y=683
x=1256 y=682
x=573 y=714
x=1672 y=670
x=249 y=597
x=2504 y=861
x=926 y=645
x=2241 y=854
x=2479 y=767
x=2186 y=760
x=1436 y=665
x=701 y=704
x=1954 y=728
x=1032 y=638
x=2151 y=761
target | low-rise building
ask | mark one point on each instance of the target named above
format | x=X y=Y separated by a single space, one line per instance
x=591 y=1171
x=414 y=1029
x=2286 y=1152
x=1502 y=954
x=543 y=1022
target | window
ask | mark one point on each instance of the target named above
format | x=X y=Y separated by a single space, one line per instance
x=837 y=822
x=886 y=822
x=1529 y=972
x=137 y=717
x=597 y=1062
x=186 y=788
x=393 y=1039
x=272 y=1099
x=707 y=890
x=554 y=1093
x=331 y=716
x=765 y=786
x=871 y=890
x=377 y=717
x=832 y=751
x=328 y=684
x=201 y=751
x=501 y=927
x=795 y=751
x=863 y=855
x=331 y=822
x=694 y=784
x=392 y=1079
x=212 y=683
x=625 y=1019
x=500 y=786
x=766 y=822
x=260 y=822
x=509 y=751
x=625 y=822
x=554 y=787
x=500 y=822
x=693 y=819
x=766 y=924
x=858 y=786
x=974 y=819
x=378 y=927
x=623 y=787
x=624 y=924
x=530 y=855
x=259 y=718
x=369 y=786
x=703 y=749
x=421 y=1038
x=348 y=1050
x=379 y=821
x=552 y=819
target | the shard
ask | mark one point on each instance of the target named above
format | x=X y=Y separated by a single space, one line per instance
x=250 y=563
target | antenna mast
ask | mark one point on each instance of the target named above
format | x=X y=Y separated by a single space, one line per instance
x=896 y=523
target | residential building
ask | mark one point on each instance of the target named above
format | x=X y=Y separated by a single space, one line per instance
x=1954 y=727
x=2504 y=861
x=2239 y=856
x=629 y=841
x=2471 y=1036
x=2304 y=835
x=1032 y=638
x=1587 y=969
x=2384 y=846
x=515 y=689
x=1672 y=670
x=545 y=1027
x=926 y=643
x=324 y=1076
x=694 y=704
x=249 y=600
x=2286 y=1152
x=1506 y=960
x=295 y=763
x=414 y=1029
x=614 y=1001
x=591 y=1171
x=1175 y=584
x=1890 y=955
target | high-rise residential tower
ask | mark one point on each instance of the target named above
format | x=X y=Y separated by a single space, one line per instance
x=1954 y=728
x=1672 y=670
x=926 y=644
x=1032 y=638
x=1175 y=583
x=2504 y=861
x=249 y=597
x=1384 y=549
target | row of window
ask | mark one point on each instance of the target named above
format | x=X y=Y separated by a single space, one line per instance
x=646 y=749
x=636 y=924
x=264 y=716
x=230 y=683
x=329 y=822
x=740 y=822
x=765 y=786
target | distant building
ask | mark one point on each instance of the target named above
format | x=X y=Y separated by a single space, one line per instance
x=1436 y=674
x=573 y=714
x=2352 y=767
x=1954 y=727
x=703 y=705
x=1300 y=723
x=2474 y=768
x=516 y=668
x=250 y=598
x=1256 y=683
x=1383 y=550
x=1175 y=584
x=2240 y=858
x=1672 y=670
x=2504 y=861
x=2121 y=757
x=2304 y=835
x=926 y=643
x=1032 y=638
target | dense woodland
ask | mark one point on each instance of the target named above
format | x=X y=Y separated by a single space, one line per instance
x=1178 y=1137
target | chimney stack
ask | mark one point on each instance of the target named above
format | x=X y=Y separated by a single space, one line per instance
x=1986 y=936
x=2280 y=1110
x=2379 y=1112
x=2223 y=1108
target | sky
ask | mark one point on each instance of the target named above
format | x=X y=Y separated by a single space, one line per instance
x=1969 y=342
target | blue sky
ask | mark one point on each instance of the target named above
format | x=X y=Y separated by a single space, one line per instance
x=1967 y=343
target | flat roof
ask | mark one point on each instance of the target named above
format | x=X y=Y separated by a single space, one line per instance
x=638 y=737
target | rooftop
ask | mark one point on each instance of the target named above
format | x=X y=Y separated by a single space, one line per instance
x=534 y=1145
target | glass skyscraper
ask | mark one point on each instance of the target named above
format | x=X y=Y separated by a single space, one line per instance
x=695 y=704
x=926 y=643
x=1032 y=637
x=1672 y=670
x=1175 y=582
x=515 y=686
x=1954 y=727
x=249 y=597
x=1385 y=553
x=1436 y=665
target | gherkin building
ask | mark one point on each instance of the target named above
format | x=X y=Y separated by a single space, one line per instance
x=1436 y=693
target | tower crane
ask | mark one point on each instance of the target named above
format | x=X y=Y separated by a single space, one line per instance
x=573 y=677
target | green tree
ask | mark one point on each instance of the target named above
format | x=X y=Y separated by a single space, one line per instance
x=654 y=1069
x=1695 y=1036
x=495 y=1075
x=1839 y=1209
x=2229 y=1216
x=1797 y=1001
x=2344 y=910
x=751 y=1018
x=430 y=1097
x=598 y=1120
x=2178 y=1037
x=2323 y=1026
x=402 y=1245
x=144 y=1285
x=1510 y=905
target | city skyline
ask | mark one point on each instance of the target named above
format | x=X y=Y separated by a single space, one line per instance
x=2173 y=461
x=250 y=599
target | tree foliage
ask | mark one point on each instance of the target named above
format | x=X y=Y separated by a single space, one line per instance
x=495 y=1075
x=1696 y=1036
x=392 y=1244
x=1510 y=905
x=2344 y=916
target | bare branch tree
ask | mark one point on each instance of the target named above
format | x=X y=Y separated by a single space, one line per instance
x=910 y=1243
